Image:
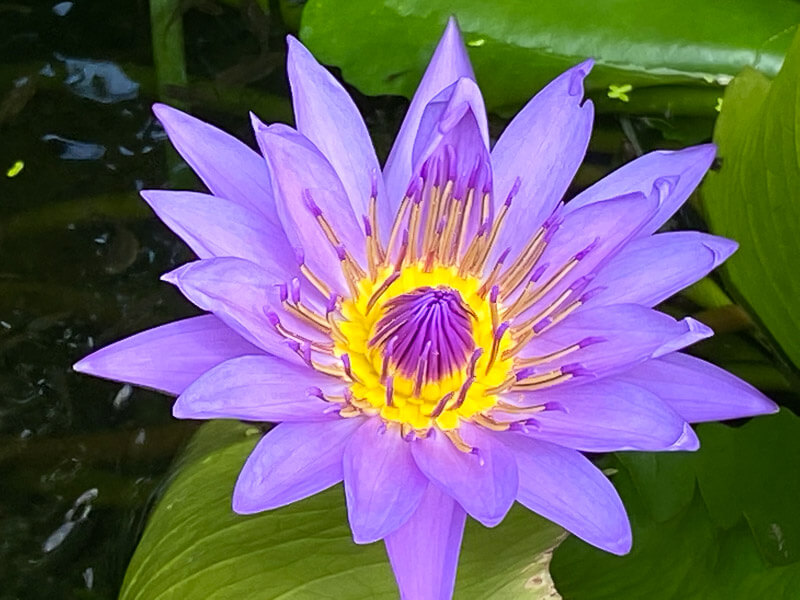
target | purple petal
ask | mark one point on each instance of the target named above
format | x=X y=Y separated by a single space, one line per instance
x=305 y=182
x=688 y=442
x=213 y=226
x=291 y=462
x=614 y=338
x=424 y=552
x=451 y=136
x=442 y=115
x=591 y=236
x=448 y=64
x=603 y=416
x=259 y=388
x=228 y=167
x=676 y=172
x=651 y=269
x=327 y=116
x=382 y=483
x=241 y=294
x=484 y=482
x=564 y=486
x=169 y=357
x=543 y=146
x=697 y=390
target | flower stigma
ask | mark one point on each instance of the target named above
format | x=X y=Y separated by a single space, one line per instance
x=430 y=334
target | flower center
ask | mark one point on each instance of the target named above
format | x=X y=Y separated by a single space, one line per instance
x=426 y=333
x=422 y=347
x=435 y=326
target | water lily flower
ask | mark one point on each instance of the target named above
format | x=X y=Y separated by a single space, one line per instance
x=445 y=335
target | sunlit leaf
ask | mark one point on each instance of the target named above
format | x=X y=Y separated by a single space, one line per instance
x=194 y=546
x=755 y=196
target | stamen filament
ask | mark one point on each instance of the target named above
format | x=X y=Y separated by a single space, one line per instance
x=397 y=225
x=489 y=422
x=457 y=441
x=544 y=358
x=498 y=335
x=382 y=290
x=315 y=281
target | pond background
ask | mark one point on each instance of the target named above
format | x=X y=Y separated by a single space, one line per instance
x=82 y=460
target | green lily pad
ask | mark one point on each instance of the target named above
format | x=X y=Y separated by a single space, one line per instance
x=755 y=196
x=517 y=47
x=194 y=546
x=736 y=534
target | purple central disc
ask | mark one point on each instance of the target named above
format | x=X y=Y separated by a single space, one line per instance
x=427 y=333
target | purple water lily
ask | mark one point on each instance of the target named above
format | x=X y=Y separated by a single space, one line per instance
x=446 y=336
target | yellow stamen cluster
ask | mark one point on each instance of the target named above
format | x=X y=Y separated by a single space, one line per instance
x=462 y=394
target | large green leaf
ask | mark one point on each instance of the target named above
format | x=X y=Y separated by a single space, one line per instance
x=755 y=196
x=194 y=546
x=517 y=47
x=734 y=535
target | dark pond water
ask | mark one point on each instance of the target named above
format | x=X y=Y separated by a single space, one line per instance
x=82 y=459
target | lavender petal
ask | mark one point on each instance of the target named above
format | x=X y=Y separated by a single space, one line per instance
x=484 y=482
x=170 y=357
x=614 y=338
x=651 y=269
x=424 y=551
x=698 y=390
x=291 y=462
x=306 y=185
x=259 y=388
x=543 y=145
x=214 y=226
x=241 y=294
x=564 y=486
x=382 y=483
x=604 y=416
x=448 y=64
x=679 y=171
x=326 y=115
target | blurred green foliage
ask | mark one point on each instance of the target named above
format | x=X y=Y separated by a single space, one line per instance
x=718 y=524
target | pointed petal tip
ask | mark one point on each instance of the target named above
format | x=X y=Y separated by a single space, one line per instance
x=173 y=277
x=697 y=330
x=154 y=198
x=243 y=499
x=161 y=110
x=180 y=409
x=243 y=506
x=83 y=366
x=620 y=546
x=298 y=58
x=586 y=66
x=721 y=248
x=578 y=73
x=365 y=537
x=702 y=153
x=256 y=123
x=688 y=442
x=170 y=116
x=694 y=331
x=452 y=32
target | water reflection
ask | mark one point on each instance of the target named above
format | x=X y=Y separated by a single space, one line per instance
x=98 y=80
x=74 y=149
